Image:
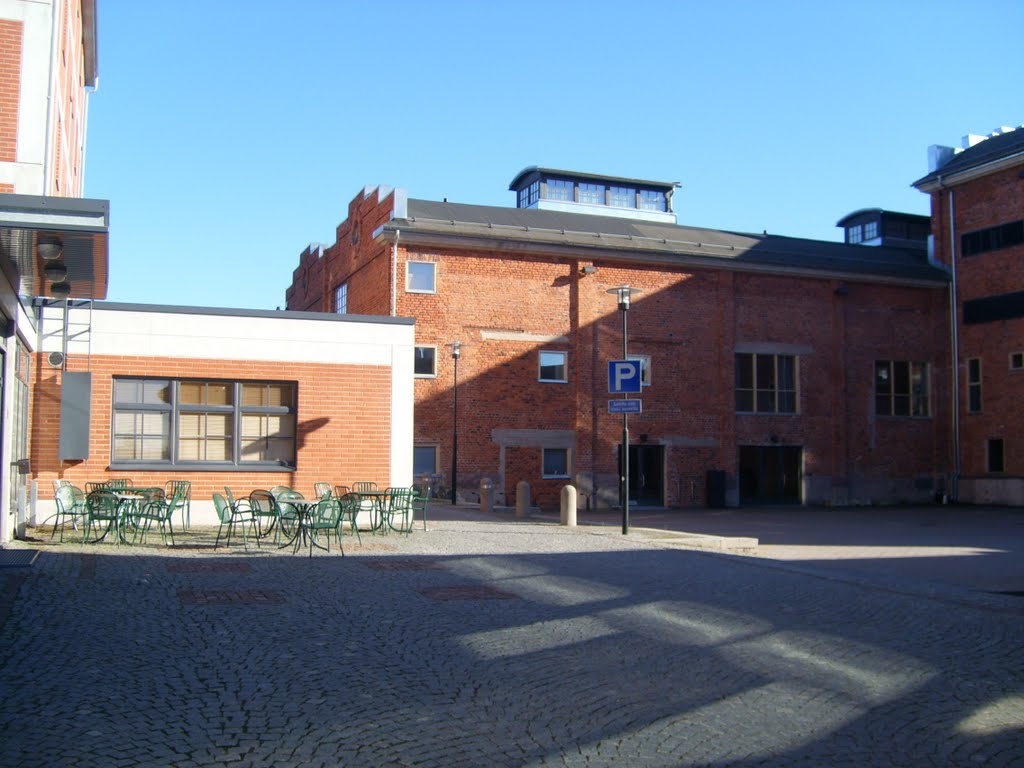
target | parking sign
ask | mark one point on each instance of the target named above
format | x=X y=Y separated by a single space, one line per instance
x=623 y=376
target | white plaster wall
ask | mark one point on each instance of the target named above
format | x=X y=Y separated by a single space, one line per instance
x=239 y=337
x=37 y=16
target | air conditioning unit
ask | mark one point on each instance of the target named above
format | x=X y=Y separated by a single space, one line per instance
x=56 y=359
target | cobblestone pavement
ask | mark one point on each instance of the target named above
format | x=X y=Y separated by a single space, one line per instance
x=487 y=642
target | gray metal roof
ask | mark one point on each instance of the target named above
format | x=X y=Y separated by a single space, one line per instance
x=992 y=149
x=578 y=235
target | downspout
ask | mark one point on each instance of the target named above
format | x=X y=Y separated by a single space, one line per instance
x=955 y=348
x=394 y=274
x=50 y=90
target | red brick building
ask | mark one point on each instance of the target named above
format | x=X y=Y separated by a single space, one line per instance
x=977 y=202
x=776 y=369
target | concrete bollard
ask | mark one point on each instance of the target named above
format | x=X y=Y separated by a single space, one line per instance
x=486 y=495
x=569 y=506
x=522 y=498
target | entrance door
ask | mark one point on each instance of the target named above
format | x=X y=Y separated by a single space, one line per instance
x=770 y=474
x=646 y=475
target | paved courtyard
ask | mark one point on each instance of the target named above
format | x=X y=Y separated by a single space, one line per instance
x=490 y=641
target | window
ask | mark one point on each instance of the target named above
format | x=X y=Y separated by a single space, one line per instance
x=1017 y=361
x=223 y=423
x=424 y=460
x=992 y=238
x=591 y=193
x=871 y=230
x=855 y=234
x=559 y=189
x=994 y=458
x=421 y=277
x=901 y=388
x=765 y=383
x=623 y=197
x=552 y=366
x=556 y=462
x=652 y=200
x=974 y=385
x=529 y=195
x=645 y=368
x=426 y=361
x=341 y=299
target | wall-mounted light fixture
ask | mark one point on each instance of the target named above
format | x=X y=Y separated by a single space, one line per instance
x=60 y=290
x=56 y=272
x=49 y=247
x=589 y=269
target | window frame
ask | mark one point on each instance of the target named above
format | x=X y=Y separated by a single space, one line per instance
x=774 y=390
x=409 y=277
x=174 y=410
x=653 y=200
x=621 y=197
x=974 y=385
x=433 y=448
x=591 y=193
x=564 y=366
x=544 y=452
x=341 y=299
x=433 y=372
x=1016 y=361
x=913 y=400
x=562 y=190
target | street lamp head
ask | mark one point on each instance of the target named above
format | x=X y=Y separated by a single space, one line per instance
x=456 y=349
x=623 y=292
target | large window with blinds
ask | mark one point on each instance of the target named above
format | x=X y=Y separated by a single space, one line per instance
x=206 y=424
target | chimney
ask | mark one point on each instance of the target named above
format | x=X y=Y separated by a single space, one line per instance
x=938 y=156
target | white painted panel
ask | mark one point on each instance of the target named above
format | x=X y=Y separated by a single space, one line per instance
x=172 y=334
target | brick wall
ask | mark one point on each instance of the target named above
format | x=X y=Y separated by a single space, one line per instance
x=506 y=306
x=991 y=200
x=10 y=86
x=344 y=416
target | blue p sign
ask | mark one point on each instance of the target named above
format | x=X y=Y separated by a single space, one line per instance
x=623 y=376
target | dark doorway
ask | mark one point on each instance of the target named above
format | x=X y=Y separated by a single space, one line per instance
x=770 y=474
x=646 y=475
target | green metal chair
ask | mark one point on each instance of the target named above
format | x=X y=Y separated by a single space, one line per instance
x=420 y=497
x=325 y=517
x=154 y=510
x=104 y=509
x=182 y=489
x=272 y=516
x=120 y=483
x=71 y=508
x=322 y=490
x=230 y=516
x=350 y=505
x=398 y=514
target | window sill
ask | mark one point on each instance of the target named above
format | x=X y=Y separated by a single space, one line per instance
x=142 y=466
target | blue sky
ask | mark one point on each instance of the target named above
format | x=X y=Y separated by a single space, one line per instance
x=229 y=135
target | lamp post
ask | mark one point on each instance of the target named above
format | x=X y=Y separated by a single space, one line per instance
x=456 y=353
x=623 y=293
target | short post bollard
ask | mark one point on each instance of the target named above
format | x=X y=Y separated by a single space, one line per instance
x=569 y=506
x=522 y=498
x=486 y=495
